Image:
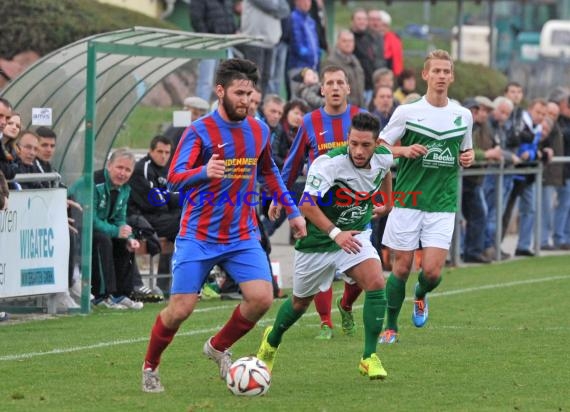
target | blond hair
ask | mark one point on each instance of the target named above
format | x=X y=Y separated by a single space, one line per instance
x=438 y=54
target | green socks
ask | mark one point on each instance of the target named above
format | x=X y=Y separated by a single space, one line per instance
x=395 y=292
x=373 y=315
x=286 y=317
x=424 y=285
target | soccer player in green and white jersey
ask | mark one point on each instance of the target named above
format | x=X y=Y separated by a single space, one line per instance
x=338 y=205
x=435 y=136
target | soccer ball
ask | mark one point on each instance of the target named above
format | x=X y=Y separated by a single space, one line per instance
x=248 y=376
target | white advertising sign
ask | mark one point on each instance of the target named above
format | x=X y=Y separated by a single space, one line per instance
x=34 y=243
x=41 y=116
x=181 y=118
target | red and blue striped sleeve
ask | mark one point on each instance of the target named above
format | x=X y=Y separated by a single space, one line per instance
x=295 y=160
x=187 y=167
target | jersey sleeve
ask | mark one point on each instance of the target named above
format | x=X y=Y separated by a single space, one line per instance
x=319 y=177
x=467 y=142
x=295 y=160
x=396 y=127
x=187 y=166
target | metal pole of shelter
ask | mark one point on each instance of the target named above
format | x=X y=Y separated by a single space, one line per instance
x=459 y=30
x=87 y=187
x=491 y=32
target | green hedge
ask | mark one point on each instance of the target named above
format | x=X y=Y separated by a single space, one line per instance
x=47 y=25
x=470 y=80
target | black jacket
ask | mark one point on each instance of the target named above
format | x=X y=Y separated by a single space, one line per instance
x=213 y=16
x=148 y=176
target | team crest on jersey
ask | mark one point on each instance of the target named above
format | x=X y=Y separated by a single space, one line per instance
x=438 y=156
x=457 y=121
x=314 y=181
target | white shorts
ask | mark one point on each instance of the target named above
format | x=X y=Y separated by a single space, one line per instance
x=406 y=227
x=314 y=272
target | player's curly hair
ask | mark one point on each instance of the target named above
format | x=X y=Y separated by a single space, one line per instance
x=236 y=69
x=365 y=122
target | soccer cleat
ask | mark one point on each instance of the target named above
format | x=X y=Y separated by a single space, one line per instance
x=128 y=303
x=325 y=333
x=372 y=367
x=348 y=325
x=151 y=381
x=223 y=359
x=420 y=313
x=208 y=292
x=266 y=352
x=388 y=337
x=107 y=303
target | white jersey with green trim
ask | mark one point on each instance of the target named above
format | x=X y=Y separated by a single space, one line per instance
x=429 y=183
x=344 y=193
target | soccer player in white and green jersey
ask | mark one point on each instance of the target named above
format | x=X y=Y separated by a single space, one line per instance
x=435 y=136
x=338 y=205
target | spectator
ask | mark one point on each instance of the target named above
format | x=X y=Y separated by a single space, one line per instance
x=310 y=89
x=113 y=242
x=393 y=48
x=343 y=56
x=197 y=107
x=12 y=131
x=27 y=147
x=473 y=203
x=552 y=174
x=304 y=48
x=383 y=77
x=279 y=59
x=497 y=121
x=271 y=113
x=523 y=186
x=291 y=120
x=4 y=192
x=150 y=198
x=368 y=50
x=406 y=84
x=261 y=18
x=5 y=113
x=515 y=93
x=383 y=105
x=46 y=149
x=561 y=235
x=216 y=17
x=254 y=103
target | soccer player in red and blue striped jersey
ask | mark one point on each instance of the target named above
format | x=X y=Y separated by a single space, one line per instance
x=215 y=168
x=322 y=130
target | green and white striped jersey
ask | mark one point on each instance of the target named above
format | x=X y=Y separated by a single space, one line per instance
x=445 y=131
x=344 y=194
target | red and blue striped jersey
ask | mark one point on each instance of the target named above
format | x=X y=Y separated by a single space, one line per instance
x=319 y=132
x=223 y=210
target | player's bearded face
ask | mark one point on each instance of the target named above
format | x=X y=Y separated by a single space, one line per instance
x=236 y=99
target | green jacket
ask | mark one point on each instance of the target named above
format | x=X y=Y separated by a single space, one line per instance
x=104 y=219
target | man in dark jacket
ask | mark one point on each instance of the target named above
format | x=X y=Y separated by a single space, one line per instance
x=151 y=199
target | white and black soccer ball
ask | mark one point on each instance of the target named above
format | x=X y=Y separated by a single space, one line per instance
x=248 y=376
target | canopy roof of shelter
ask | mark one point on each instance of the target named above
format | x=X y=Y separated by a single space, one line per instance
x=128 y=63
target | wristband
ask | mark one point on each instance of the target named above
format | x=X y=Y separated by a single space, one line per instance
x=334 y=233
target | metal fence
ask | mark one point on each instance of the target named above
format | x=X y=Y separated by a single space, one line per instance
x=534 y=168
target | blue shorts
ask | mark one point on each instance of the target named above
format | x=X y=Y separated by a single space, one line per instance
x=193 y=260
